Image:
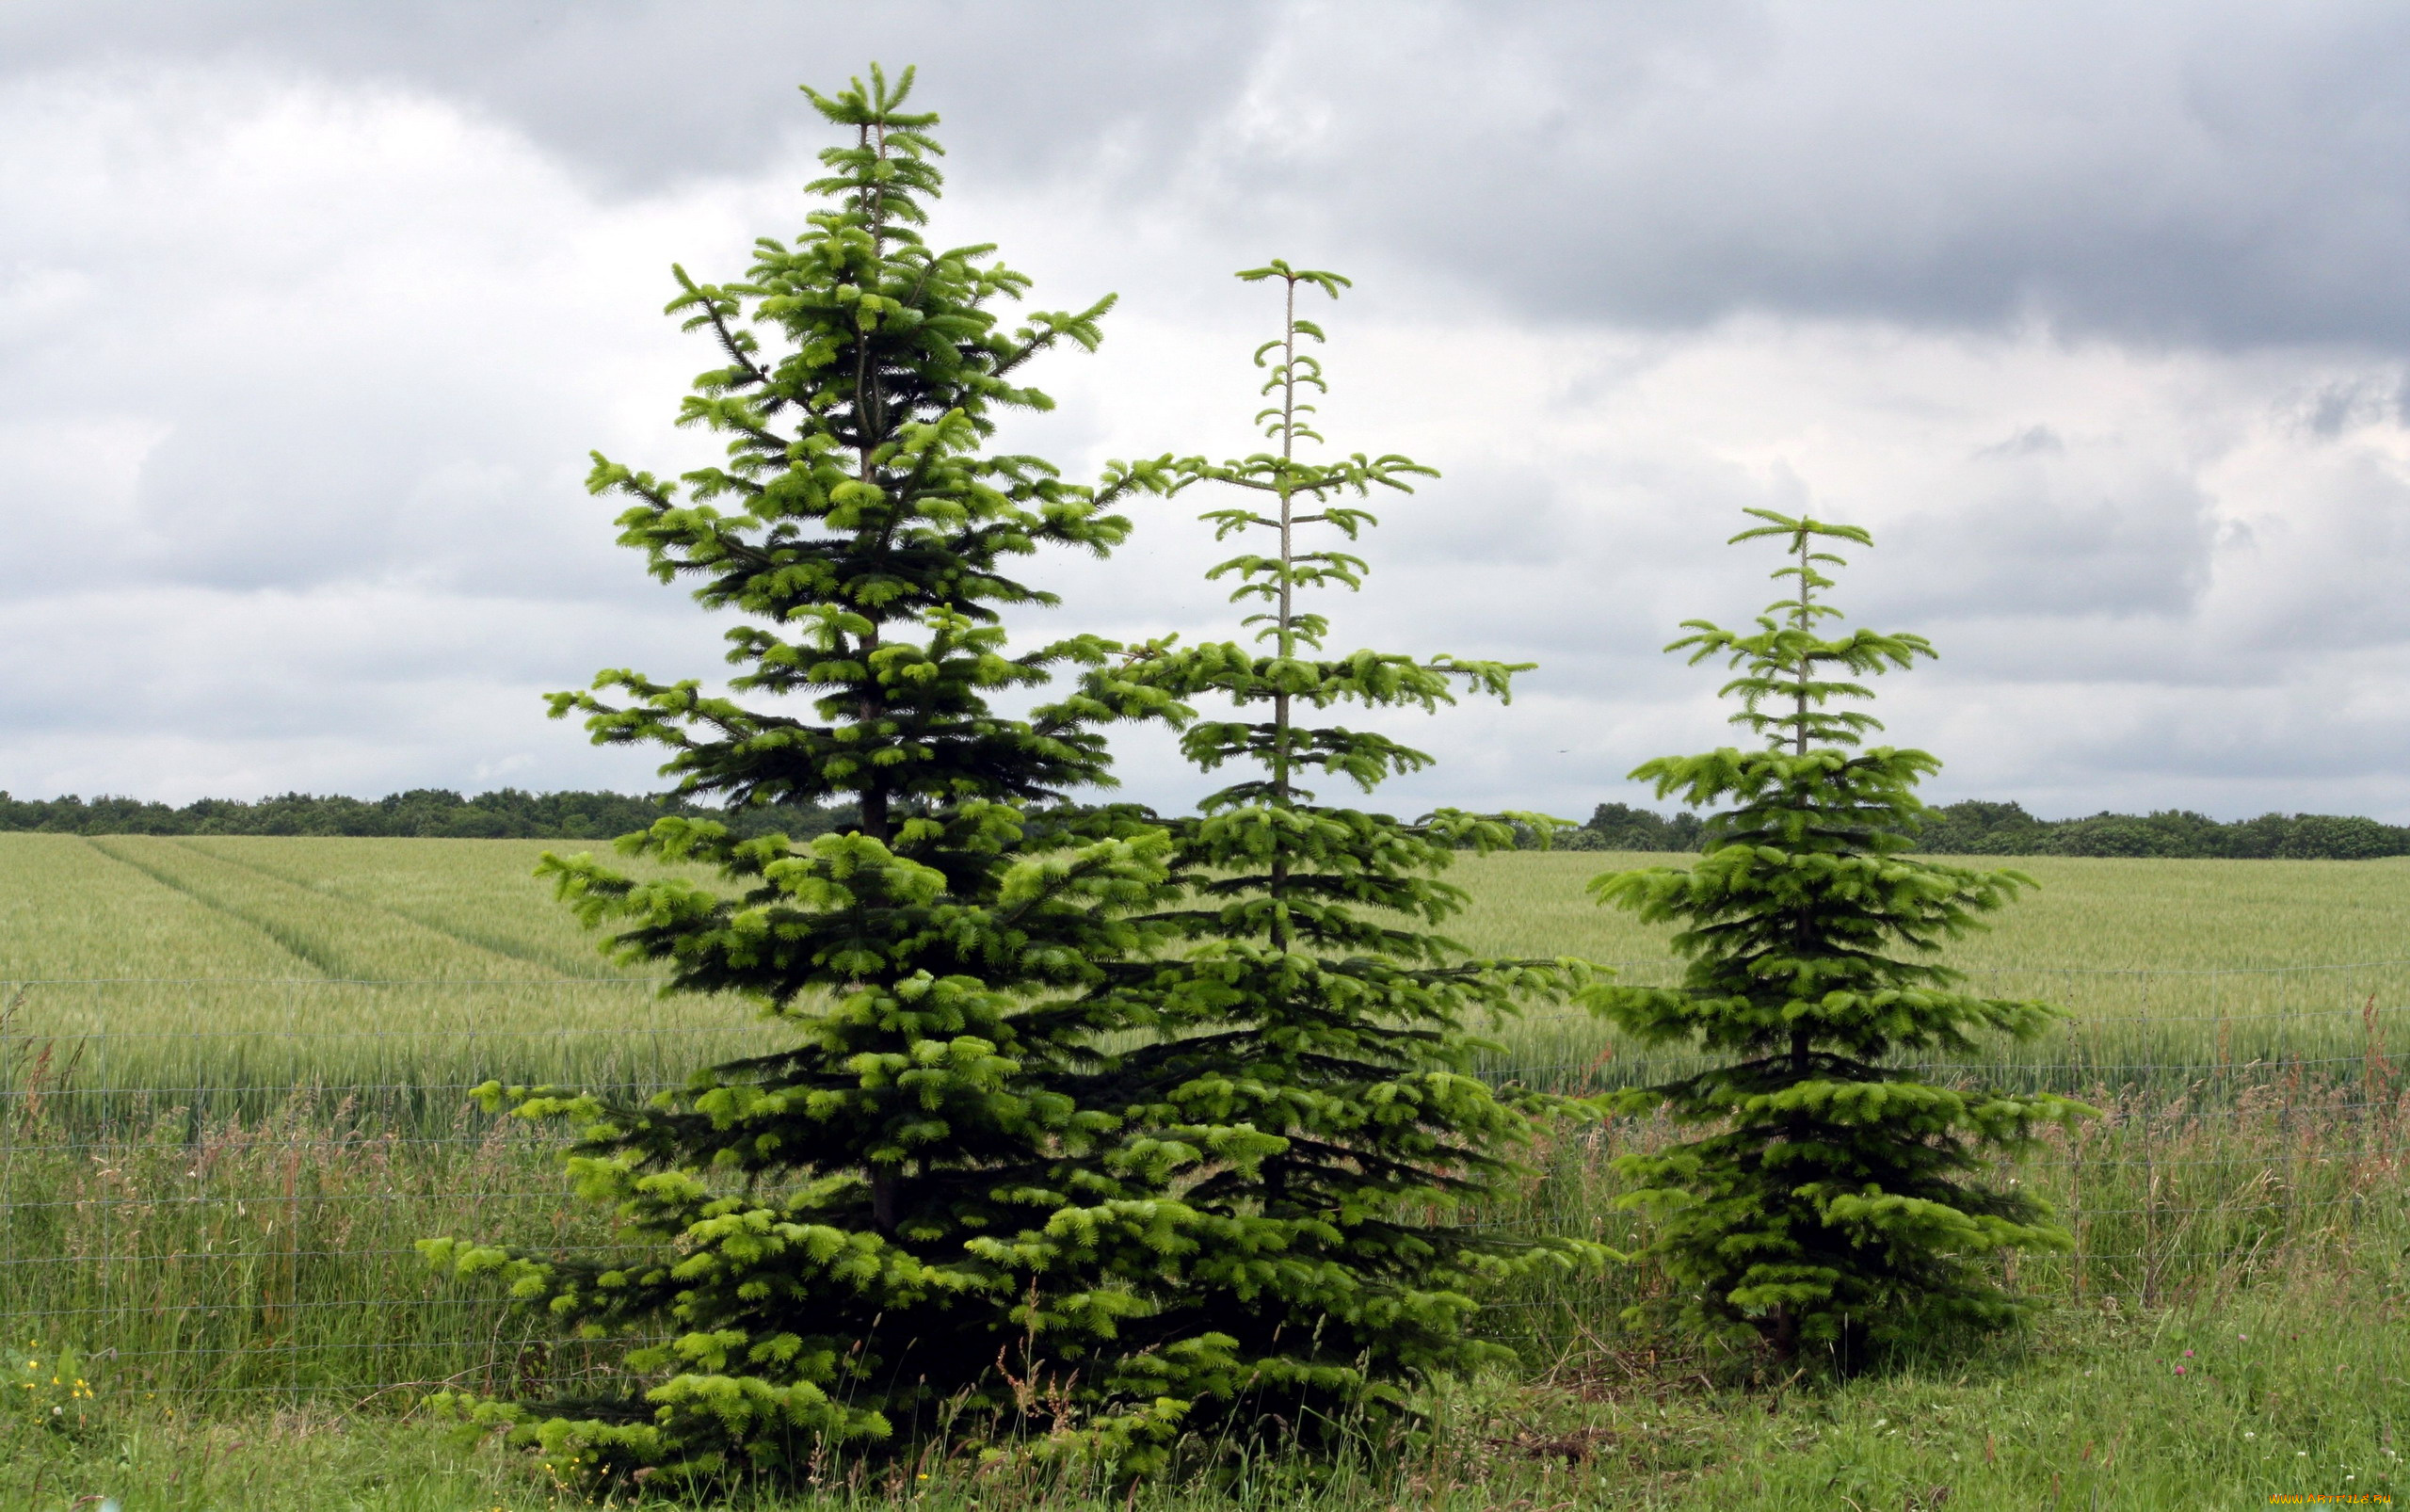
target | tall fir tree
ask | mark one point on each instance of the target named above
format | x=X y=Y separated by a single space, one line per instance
x=1839 y=1203
x=1316 y=1031
x=844 y=1240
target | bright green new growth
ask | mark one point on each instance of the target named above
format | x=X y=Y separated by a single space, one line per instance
x=1837 y=1204
x=849 y=1239
x=1318 y=1042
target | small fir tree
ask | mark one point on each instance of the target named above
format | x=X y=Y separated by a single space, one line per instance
x=1838 y=1202
x=898 y=1213
x=1319 y=1041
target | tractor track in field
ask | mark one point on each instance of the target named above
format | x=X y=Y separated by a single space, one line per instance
x=302 y=947
x=510 y=950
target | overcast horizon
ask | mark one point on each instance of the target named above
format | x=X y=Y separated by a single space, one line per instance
x=2095 y=314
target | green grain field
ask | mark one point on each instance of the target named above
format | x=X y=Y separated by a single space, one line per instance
x=230 y=968
x=473 y=911
x=234 y=1074
x=218 y=973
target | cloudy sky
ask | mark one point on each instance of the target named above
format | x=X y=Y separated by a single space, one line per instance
x=2097 y=313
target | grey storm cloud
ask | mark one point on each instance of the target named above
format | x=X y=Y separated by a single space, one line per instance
x=2227 y=172
x=637 y=94
x=309 y=314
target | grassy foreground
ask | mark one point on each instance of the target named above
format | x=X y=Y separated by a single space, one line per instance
x=231 y=1323
x=2272 y=1399
x=211 y=1169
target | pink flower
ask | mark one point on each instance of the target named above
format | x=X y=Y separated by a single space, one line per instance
x=2179 y=1370
x=2188 y=1353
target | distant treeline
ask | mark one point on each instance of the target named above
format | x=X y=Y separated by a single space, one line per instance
x=1979 y=829
x=1970 y=828
x=506 y=814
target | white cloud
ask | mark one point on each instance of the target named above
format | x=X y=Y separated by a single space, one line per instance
x=2150 y=580
x=2222 y=172
x=297 y=374
x=295 y=389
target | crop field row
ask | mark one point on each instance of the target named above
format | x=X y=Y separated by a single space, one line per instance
x=471 y=910
x=217 y=975
x=313 y=909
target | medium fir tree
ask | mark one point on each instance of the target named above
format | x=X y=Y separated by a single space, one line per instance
x=1840 y=1202
x=893 y=1217
x=1315 y=1032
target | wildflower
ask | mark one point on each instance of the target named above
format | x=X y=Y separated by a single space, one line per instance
x=2250 y=1435
x=2179 y=1370
x=2188 y=1353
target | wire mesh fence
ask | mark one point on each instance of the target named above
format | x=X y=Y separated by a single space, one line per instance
x=214 y=1189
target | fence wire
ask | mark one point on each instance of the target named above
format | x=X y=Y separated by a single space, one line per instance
x=213 y=1187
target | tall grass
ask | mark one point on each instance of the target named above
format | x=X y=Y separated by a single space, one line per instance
x=270 y=1256
x=245 y=1312
x=274 y=1253
x=232 y=1076
x=401 y=1054
x=2169 y=1201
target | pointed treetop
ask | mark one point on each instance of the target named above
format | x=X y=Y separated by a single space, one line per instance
x=1803 y=609
x=1784 y=663
x=887 y=165
x=877 y=106
x=1329 y=283
x=1799 y=530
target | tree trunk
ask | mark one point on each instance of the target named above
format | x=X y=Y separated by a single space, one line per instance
x=886 y=1198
